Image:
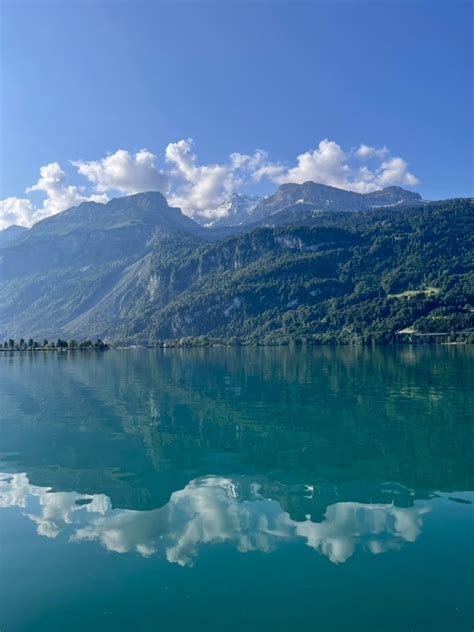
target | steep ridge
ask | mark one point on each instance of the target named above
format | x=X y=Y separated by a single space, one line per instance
x=65 y=267
x=93 y=234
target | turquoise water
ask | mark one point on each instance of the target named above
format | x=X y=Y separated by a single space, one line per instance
x=237 y=489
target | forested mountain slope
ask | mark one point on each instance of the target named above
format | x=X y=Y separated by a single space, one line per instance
x=347 y=277
x=137 y=270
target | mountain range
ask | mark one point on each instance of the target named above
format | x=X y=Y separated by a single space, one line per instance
x=310 y=263
x=246 y=209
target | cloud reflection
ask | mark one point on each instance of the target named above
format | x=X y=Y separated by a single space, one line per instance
x=210 y=510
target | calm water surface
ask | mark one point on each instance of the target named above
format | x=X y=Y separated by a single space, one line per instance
x=251 y=489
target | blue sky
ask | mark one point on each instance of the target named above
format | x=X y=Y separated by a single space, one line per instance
x=84 y=79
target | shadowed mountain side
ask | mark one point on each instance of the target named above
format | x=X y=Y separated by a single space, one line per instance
x=10 y=234
x=92 y=234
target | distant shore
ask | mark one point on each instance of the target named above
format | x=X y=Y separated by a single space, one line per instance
x=62 y=346
x=106 y=348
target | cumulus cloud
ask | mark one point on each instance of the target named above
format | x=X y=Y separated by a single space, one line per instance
x=326 y=164
x=124 y=172
x=366 y=151
x=58 y=197
x=14 y=210
x=201 y=190
x=395 y=171
x=121 y=172
x=330 y=164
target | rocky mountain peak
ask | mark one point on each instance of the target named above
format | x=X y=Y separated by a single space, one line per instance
x=236 y=210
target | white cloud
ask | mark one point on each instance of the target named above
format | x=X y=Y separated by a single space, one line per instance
x=14 y=210
x=366 y=151
x=325 y=164
x=330 y=164
x=59 y=195
x=201 y=189
x=395 y=171
x=124 y=172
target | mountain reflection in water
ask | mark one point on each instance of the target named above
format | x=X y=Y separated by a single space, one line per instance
x=135 y=480
x=212 y=510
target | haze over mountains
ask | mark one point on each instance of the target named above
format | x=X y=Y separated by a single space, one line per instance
x=310 y=262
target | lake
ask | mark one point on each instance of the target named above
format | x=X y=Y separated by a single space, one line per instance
x=248 y=489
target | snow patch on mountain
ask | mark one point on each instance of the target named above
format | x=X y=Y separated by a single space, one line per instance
x=235 y=211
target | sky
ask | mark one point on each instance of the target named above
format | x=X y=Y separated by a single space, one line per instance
x=204 y=99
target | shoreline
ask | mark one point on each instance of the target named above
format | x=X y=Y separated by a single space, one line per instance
x=109 y=346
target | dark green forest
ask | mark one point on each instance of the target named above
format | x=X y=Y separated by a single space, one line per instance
x=349 y=277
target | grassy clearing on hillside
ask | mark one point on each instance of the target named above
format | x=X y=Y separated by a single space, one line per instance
x=429 y=291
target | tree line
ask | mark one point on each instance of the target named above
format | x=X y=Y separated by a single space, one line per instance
x=46 y=345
